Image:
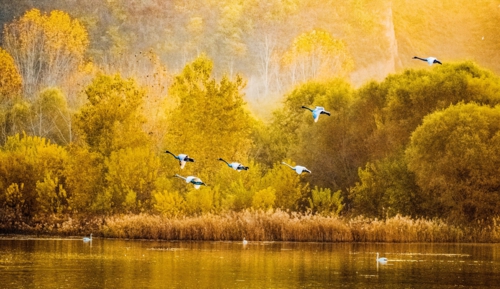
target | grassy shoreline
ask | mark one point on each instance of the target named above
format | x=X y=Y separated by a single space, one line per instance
x=257 y=226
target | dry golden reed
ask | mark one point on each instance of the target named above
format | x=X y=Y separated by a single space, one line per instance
x=262 y=226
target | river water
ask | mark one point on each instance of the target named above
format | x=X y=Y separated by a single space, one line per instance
x=103 y=263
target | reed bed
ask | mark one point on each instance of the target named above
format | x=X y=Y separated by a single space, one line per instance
x=261 y=226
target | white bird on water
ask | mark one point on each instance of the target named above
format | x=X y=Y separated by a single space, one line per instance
x=317 y=112
x=235 y=166
x=298 y=169
x=87 y=239
x=430 y=60
x=193 y=180
x=245 y=241
x=381 y=260
x=182 y=159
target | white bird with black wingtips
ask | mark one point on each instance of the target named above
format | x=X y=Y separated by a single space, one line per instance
x=430 y=60
x=298 y=169
x=317 y=111
x=193 y=180
x=182 y=159
x=235 y=166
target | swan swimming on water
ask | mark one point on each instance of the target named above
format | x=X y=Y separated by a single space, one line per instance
x=381 y=260
x=87 y=239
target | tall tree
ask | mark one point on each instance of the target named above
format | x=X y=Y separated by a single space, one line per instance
x=454 y=155
x=112 y=118
x=45 y=47
x=211 y=120
x=317 y=55
x=10 y=89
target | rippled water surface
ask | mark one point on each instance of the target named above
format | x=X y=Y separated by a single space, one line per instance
x=71 y=263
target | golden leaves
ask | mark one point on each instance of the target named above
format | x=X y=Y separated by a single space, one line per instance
x=10 y=79
x=317 y=55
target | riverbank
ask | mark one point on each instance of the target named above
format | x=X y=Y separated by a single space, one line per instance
x=257 y=226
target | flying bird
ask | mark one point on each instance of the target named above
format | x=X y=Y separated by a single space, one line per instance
x=317 y=111
x=298 y=169
x=193 y=180
x=235 y=166
x=182 y=159
x=430 y=60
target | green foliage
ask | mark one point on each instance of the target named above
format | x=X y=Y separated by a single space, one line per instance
x=406 y=98
x=454 y=155
x=386 y=188
x=324 y=202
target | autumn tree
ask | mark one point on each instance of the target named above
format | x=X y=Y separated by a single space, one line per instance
x=10 y=88
x=45 y=47
x=130 y=179
x=454 y=155
x=50 y=117
x=386 y=188
x=210 y=120
x=10 y=79
x=402 y=100
x=316 y=55
x=31 y=176
x=112 y=118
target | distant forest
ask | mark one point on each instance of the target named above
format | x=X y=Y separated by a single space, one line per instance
x=93 y=94
x=377 y=37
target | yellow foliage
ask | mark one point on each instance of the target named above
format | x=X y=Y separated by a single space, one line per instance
x=264 y=199
x=51 y=195
x=46 y=47
x=10 y=79
x=170 y=204
x=317 y=55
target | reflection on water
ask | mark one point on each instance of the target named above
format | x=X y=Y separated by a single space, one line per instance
x=71 y=263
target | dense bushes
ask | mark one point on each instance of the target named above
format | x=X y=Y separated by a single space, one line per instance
x=422 y=143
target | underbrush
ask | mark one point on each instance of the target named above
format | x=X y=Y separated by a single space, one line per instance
x=256 y=226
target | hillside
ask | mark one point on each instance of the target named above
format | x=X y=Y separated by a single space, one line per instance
x=250 y=37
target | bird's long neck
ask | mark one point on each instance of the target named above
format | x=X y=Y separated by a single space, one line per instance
x=423 y=59
x=181 y=177
x=287 y=165
x=168 y=152
x=307 y=108
x=220 y=159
